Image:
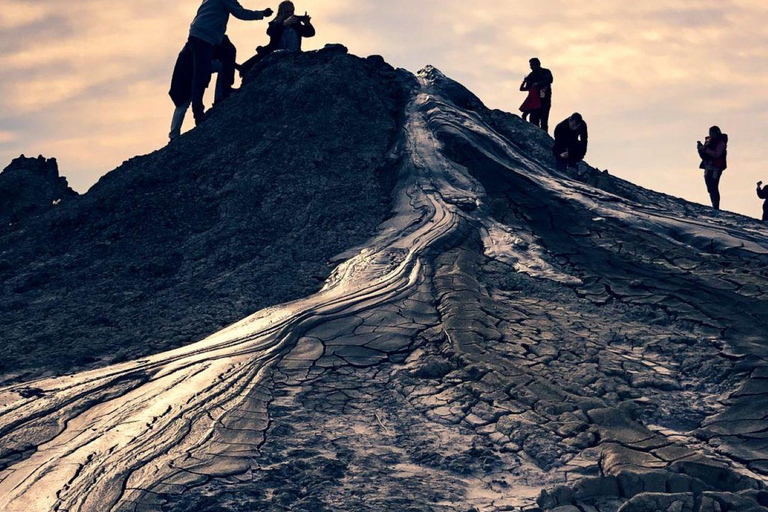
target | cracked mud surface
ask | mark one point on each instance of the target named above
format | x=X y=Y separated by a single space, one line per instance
x=513 y=339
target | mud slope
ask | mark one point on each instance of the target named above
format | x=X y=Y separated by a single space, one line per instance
x=510 y=339
x=241 y=214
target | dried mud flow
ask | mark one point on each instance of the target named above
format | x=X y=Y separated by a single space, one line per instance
x=511 y=339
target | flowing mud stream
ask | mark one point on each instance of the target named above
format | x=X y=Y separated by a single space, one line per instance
x=510 y=334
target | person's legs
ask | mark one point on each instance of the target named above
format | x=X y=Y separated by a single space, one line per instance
x=536 y=117
x=178 y=120
x=765 y=212
x=546 y=106
x=202 y=55
x=226 y=53
x=561 y=164
x=712 y=179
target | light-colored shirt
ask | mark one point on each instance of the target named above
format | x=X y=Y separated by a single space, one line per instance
x=210 y=23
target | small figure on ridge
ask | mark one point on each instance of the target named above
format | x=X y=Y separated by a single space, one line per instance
x=570 y=142
x=762 y=193
x=539 y=81
x=285 y=32
x=713 y=153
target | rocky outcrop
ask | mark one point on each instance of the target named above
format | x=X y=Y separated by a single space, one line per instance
x=28 y=187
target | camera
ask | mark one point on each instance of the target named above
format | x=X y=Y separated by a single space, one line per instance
x=304 y=18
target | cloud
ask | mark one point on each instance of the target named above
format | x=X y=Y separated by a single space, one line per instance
x=7 y=136
x=88 y=83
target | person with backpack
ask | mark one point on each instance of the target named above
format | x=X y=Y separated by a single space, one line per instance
x=540 y=80
x=285 y=32
x=762 y=193
x=571 y=137
x=713 y=153
x=206 y=35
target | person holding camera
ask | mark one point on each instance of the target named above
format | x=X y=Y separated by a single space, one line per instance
x=762 y=193
x=285 y=32
x=713 y=153
x=206 y=38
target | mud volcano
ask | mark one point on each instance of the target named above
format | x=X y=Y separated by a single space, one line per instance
x=494 y=336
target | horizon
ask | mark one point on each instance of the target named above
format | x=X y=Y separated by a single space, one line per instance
x=89 y=86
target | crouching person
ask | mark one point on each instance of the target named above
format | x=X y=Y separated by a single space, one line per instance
x=570 y=142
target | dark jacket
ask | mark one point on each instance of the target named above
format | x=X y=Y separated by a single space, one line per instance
x=714 y=153
x=181 y=81
x=575 y=142
x=275 y=32
x=183 y=71
x=542 y=79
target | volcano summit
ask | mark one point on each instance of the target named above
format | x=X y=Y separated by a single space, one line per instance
x=492 y=334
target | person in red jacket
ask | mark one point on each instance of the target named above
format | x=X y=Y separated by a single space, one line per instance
x=713 y=153
x=540 y=79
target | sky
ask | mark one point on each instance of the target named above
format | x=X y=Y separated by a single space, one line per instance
x=86 y=81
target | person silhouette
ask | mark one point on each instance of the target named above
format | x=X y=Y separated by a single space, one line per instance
x=713 y=153
x=762 y=193
x=571 y=137
x=181 y=82
x=539 y=81
x=206 y=35
x=285 y=32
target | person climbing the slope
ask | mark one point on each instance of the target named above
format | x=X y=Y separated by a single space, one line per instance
x=713 y=153
x=570 y=142
x=762 y=193
x=181 y=82
x=206 y=41
x=540 y=80
x=285 y=32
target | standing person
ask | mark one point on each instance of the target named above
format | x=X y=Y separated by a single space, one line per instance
x=713 y=155
x=762 y=193
x=285 y=32
x=532 y=103
x=541 y=79
x=206 y=33
x=181 y=82
x=571 y=137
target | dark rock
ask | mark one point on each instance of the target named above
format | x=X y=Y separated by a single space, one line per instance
x=28 y=187
x=239 y=214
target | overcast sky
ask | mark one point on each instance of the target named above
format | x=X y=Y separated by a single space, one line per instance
x=86 y=81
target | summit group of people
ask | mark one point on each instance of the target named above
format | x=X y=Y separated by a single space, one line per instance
x=571 y=135
x=208 y=50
